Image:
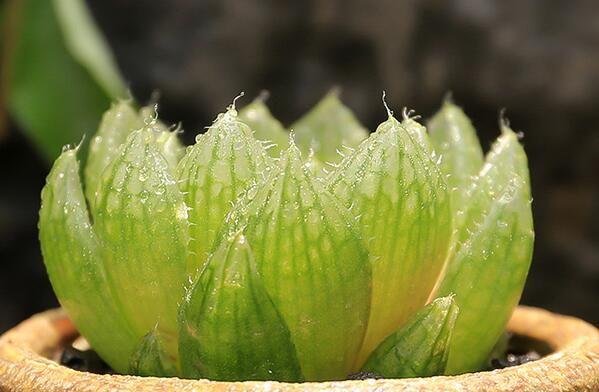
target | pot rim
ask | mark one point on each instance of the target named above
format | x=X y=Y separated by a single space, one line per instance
x=25 y=363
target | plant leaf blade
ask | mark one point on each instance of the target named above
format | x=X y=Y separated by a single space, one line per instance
x=491 y=255
x=313 y=264
x=392 y=183
x=327 y=128
x=223 y=163
x=150 y=359
x=72 y=257
x=229 y=327
x=141 y=219
x=265 y=126
x=420 y=348
x=454 y=138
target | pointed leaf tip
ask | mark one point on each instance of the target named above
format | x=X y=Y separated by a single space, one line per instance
x=491 y=255
x=150 y=358
x=394 y=186
x=421 y=347
x=229 y=327
x=305 y=241
x=327 y=127
x=215 y=171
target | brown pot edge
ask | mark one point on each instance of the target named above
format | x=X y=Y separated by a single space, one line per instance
x=573 y=367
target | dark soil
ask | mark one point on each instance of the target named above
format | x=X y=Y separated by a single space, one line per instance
x=85 y=361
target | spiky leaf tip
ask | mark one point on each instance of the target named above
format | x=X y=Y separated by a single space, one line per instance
x=491 y=255
x=461 y=157
x=328 y=129
x=223 y=163
x=396 y=189
x=265 y=126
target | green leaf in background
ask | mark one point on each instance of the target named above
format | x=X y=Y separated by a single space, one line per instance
x=491 y=255
x=150 y=359
x=420 y=348
x=392 y=183
x=72 y=254
x=229 y=326
x=141 y=219
x=221 y=165
x=454 y=138
x=265 y=126
x=86 y=44
x=312 y=262
x=53 y=97
x=328 y=128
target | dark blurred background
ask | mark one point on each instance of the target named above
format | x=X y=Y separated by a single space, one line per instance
x=539 y=59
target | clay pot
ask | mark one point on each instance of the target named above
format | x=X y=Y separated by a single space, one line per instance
x=29 y=351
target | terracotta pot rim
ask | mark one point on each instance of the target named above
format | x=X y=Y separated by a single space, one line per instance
x=25 y=363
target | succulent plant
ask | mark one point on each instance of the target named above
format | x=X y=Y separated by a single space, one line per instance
x=243 y=257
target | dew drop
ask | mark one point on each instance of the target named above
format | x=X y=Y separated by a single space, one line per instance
x=181 y=211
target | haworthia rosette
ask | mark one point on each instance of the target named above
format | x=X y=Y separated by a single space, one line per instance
x=141 y=219
x=328 y=128
x=392 y=183
x=72 y=254
x=229 y=326
x=312 y=263
x=421 y=347
x=491 y=255
x=223 y=163
x=455 y=140
x=149 y=357
x=265 y=126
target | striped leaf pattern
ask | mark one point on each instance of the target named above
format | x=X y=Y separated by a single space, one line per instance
x=455 y=140
x=395 y=188
x=491 y=255
x=229 y=326
x=421 y=347
x=312 y=263
x=141 y=218
x=72 y=255
x=223 y=163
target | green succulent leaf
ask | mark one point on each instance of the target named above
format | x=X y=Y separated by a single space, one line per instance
x=72 y=255
x=265 y=126
x=117 y=123
x=222 y=164
x=141 y=218
x=150 y=359
x=421 y=347
x=328 y=128
x=491 y=255
x=392 y=183
x=312 y=262
x=229 y=326
x=454 y=138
